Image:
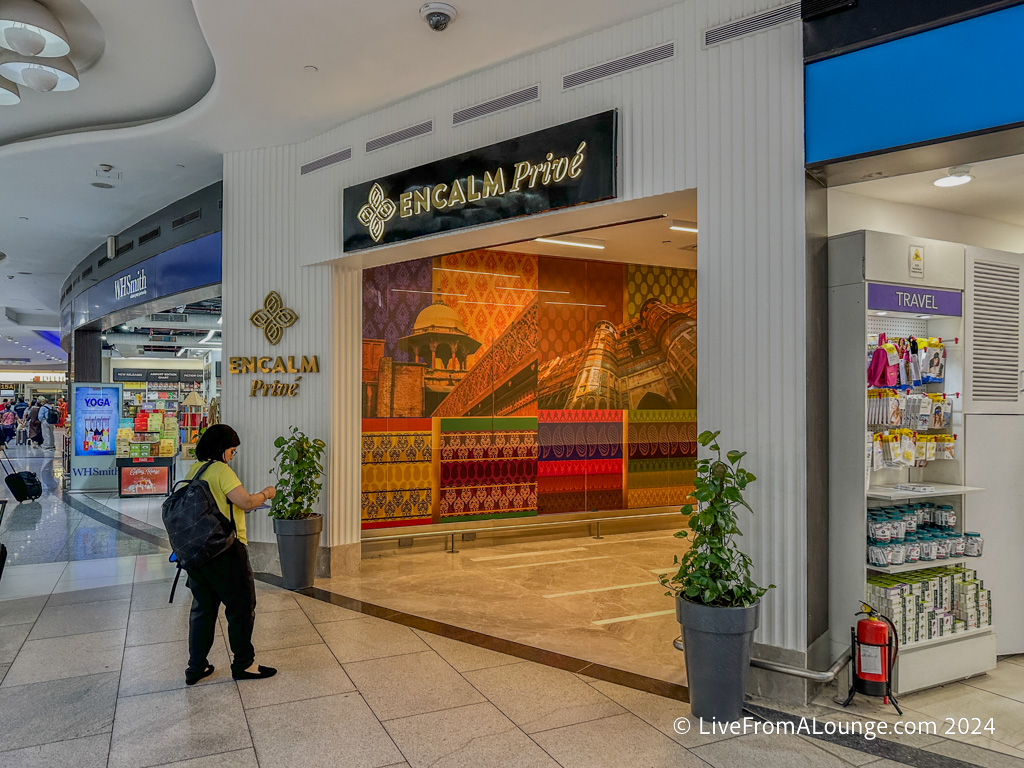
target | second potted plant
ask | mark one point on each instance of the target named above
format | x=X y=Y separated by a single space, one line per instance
x=717 y=603
x=297 y=527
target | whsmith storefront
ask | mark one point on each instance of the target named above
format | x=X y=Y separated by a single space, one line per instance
x=504 y=281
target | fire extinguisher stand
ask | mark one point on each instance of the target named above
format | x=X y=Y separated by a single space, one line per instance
x=883 y=648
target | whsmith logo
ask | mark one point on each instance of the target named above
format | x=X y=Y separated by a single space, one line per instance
x=95 y=402
x=90 y=471
x=129 y=287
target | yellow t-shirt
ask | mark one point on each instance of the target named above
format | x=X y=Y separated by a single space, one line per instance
x=222 y=481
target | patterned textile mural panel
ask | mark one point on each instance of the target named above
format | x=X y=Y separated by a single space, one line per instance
x=580 y=461
x=665 y=284
x=397 y=458
x=661 y=457
x=488 y=468
x=568 y=286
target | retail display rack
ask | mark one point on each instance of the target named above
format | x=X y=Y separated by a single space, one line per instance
x=898 y=465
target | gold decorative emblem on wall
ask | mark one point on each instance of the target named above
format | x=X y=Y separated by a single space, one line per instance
x=377 y=212
x=274 y=317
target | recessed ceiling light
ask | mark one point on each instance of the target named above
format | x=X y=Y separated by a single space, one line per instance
x=578 y=242
x=924 y=317
x=684 y=226
x=102 y=185
x=881 y=314
x=955 y=176
x=23 y=218
x=311 y=68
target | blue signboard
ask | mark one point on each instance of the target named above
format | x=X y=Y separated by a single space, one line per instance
x=958 y=79
x=187 y=266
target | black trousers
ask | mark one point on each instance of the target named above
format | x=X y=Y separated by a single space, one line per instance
x=226 y=579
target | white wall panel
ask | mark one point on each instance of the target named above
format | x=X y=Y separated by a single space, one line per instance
x=726 y=120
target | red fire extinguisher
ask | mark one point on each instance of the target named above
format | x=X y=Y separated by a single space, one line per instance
x=875 y=645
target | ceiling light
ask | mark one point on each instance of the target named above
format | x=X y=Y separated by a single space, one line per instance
x=684 y=226
x=578 y=242
x=41 y=74
x=104 y=337
x=924 y=317
x=31 y=29
x=955 y=176
x=310 y=68
x=102 y=185
x=881 y=314
x=9 y=93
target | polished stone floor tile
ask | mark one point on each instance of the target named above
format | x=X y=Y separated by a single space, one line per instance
x=154 y=595
x=474 y=736
x=160 y=626
x=17 y=584
x=658 y=712
x=70 y=656
x=12 y=637
x=957 y=701
x=155 y=568
x=23 y=611
x=302 y=673
x=161 y=667
x=343 y=732
x=604 y=743
x=271 y=600
x=87 y=752
x=320 y=612
x=400 y=686
x=767 y=751
x=538 y=698
x=986 y=758
x=80 y=619
x=465 y=657
x=369 y=638
x=3 y=671
x=57 y=710
x=158 y=728
x=281 y=629
x=240 y=758
x=101 y=568
x=89 y=591
x=1005 y=680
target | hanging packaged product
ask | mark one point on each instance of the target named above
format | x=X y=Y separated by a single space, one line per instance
x=883 y=370
x=932 y=355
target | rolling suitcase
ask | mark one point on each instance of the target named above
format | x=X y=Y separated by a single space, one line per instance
x=25 y=486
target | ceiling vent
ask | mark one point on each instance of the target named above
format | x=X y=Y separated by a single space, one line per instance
x=103 y=260
x=124 y=248
x=324 y=162
x=87 y=271
x=151 y=235
x=609 y=68
x=170 y=317
x=421 y=129
x=751 y=24
x=497 y=105
x=813 y=9
x=188 y=217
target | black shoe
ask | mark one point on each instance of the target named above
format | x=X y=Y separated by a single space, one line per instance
x=263 y=672
x=191 y=678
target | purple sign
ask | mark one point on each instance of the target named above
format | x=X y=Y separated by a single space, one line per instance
x=922 y=301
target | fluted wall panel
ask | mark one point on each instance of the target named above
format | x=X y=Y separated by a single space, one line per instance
x=726 y=120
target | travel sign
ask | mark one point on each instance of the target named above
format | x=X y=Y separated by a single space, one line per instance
x=567 y=165
x=905 y=298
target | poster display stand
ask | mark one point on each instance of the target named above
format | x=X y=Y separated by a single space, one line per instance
x=95 y=413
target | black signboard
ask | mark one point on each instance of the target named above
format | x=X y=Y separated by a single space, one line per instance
x=130 y=374
x=555 y=168
x=163 y=376
x=192 y=375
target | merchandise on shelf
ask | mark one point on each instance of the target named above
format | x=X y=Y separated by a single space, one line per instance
x=905 y=363
x=903 y=448
x=149 y=434
x=909 y=533
x=920 y=412
x=931 y=603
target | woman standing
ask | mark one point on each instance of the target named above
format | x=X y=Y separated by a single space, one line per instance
x=35 y=427
x=7 y=419
x=227 y=578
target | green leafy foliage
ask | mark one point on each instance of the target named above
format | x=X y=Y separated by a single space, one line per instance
x=714 y=571
x=298 y=472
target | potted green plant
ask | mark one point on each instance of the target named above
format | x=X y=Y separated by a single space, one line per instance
x=717 y=603
x=298 y=486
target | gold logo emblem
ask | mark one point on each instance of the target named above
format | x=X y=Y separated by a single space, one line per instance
x=377 y=212
x=274 y=317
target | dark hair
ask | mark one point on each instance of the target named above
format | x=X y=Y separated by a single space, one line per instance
x=215 y=441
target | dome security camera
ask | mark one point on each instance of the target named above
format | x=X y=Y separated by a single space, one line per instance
x=438 y=15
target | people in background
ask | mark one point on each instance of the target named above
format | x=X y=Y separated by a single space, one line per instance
x=47 y=421
x=20 y=407
x=7 y=423
x=62 y=408
x=35 y=428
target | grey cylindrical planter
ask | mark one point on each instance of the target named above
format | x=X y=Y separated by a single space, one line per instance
x=297 y=544
x=717 y=643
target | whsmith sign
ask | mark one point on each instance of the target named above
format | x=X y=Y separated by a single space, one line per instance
x=555 y=168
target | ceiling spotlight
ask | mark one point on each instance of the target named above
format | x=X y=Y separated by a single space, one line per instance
x=9 y=93
x=684 y=226
x=41 y=74
x=579 y=242
x=102 y=185
x=31 y=29
x=955 y=176
x=924 y=317
x=310 y=68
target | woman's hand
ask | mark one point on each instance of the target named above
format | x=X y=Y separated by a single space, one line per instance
x=270 y=492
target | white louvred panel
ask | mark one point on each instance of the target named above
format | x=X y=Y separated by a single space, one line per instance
x=994 y=372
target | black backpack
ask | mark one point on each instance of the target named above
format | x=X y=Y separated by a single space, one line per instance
x=195 y=526
x=52 y=416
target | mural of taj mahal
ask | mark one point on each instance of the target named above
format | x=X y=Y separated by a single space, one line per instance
x=503 y=384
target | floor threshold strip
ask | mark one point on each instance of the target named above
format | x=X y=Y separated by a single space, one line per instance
x=634 y=617
x=602 y=589
x=550 y=562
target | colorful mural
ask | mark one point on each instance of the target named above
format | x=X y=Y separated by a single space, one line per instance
x=502 y=384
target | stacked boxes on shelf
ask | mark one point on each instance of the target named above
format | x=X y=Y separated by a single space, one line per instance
x=169 y=436
x=150 y=434
x=931 y=603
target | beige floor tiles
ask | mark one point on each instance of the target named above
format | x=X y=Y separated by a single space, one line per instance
x=465 y=657
x=23 y=611
x=369 y=638
x=80 y=619
x=87 y=752
x=767 y=751
x=280 y=629
x=12 y=637
x=538 y=698
x=986 y=758
x=270 y=599
x=239 y=758
x=57 y=710
x=305 y=672
x=412 y=684
x=72 y=656
x=474 y=736
x=320 y=612
x=612 y=742
x=962 y=701
x=161 y=667
x=1006 y=680
x=343 y=732
x=160 y=626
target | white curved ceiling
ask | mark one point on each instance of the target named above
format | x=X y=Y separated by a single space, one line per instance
x=369 y=53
